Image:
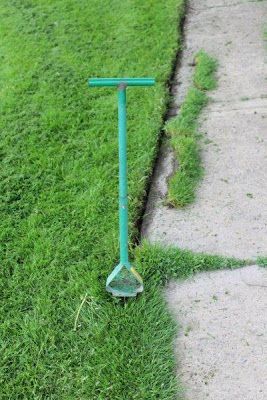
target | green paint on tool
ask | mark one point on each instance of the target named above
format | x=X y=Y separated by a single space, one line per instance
x=124 y=281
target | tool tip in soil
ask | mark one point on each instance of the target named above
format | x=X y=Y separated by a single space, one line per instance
x=124 y=281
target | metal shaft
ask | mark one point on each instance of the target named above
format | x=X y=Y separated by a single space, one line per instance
x=121 y=84
x=123 y=199
x=99 y=82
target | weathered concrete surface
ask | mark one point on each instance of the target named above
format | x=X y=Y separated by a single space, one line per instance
x=229 y=216
x=222 y=342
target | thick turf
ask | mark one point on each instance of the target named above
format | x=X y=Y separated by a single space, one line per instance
x=58 y=187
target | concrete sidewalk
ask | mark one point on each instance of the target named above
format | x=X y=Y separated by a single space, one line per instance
x=229 y=216
x=222 y=343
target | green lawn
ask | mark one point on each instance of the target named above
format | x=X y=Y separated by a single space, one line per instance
x=58 y=185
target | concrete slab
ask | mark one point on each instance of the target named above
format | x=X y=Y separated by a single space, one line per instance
x=222 y=343
x=229 y=216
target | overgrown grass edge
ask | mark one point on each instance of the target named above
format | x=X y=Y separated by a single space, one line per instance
x=184 y=136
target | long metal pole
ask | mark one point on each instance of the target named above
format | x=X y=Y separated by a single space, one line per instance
x=123 y=199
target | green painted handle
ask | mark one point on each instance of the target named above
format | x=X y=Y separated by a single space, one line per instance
x=121 y=84
x=117 y=81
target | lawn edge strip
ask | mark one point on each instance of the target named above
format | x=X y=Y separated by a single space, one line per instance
x=183 y=134
x=143 y=199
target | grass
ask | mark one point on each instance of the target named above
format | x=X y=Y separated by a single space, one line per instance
x=160 y=264
x=58 y=185
x=204 y=76
x=184 y=137
x=262 y=261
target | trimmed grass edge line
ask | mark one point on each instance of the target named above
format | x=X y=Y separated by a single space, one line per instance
x=181 y=17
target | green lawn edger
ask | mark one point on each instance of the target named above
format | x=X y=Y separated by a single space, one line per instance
x=124 y=280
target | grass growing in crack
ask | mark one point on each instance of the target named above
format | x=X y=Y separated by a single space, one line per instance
x=262 y=261
x=204 y=75
x=58 y=185
x=159 y=264
x=183 y=132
